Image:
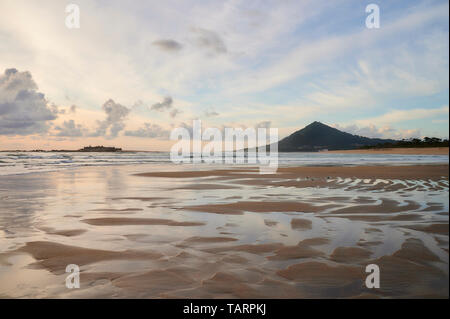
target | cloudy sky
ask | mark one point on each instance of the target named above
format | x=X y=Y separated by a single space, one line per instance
x=135 y=70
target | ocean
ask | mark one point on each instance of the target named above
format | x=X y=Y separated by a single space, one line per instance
x=13 y=163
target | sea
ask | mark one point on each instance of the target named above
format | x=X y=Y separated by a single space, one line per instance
x=14 y=163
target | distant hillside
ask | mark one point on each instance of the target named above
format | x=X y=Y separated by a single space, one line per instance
x=427 y=142
x=317 y=136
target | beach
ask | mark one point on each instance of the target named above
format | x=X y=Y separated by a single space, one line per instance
x=178 y=231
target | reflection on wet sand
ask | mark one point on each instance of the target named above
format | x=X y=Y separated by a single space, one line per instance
x=301 y=233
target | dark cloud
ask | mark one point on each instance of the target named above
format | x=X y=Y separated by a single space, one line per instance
x=73 y=108
x=15 y=81
x=114 y=123
x=23 y=110
x=209 y=40
x=164 y=105
x=69 y=129
x=149 y=131
x=174 y=113
x=168 y=45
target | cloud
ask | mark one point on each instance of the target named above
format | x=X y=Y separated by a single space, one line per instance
x=263 y=124
x=23 y=110
x=187 y=126
x=149 y=131
x=439 y=121
x=164 y=105
x=211 y=113
x=311 y=56
x=138 y=105
x=69 y=129
x=168 y=45
x=55 y=109
x=73 y=108
x=209 y=40
x=174 y=113
x=397 y=116
x=114 y=123
x=374 y=131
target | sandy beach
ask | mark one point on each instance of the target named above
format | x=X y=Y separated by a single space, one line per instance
x=172 y=232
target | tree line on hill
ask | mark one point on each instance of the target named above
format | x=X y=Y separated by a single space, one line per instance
x=414 y=142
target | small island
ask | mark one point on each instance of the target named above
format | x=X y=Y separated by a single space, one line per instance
x=100 y=148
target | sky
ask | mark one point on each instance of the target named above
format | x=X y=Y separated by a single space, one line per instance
x=135 y=70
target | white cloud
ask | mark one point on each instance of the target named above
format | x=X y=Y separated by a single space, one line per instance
x=373 y=131
x=397 y=116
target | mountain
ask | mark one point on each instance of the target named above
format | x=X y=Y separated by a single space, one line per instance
x=317 y=136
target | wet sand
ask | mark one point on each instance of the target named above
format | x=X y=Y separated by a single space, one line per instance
x=433 y=172
x=304 y=232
